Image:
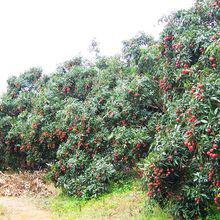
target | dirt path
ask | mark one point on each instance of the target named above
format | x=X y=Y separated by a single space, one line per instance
x=22 y=209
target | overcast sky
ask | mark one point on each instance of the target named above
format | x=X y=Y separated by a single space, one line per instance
x=48 y=32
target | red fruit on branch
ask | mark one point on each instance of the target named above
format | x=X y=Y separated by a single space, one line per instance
x=200 y=85
x=211 y=150
x=158 y=128
x=215 y=146
x=89 y=129
x=212 y=59
x=22 y=148
x=178 y=64
x=192 y=90
x=185 y=71
x=186 y=65
x=63 y=168
x=178 y=111
x=179 y=78
x=168 y=37
x=101 y=101
x=137 y=94
x=145 y=58
x=67 y=90
x=214 y=156
x=138 y=145
x=111 y=114
x=79 y=144
x=56 y=176
x=177 y=119
x=197 y=200
x=116 y=156
x=189 y=133
x=152 y=165
x=216 y=199
x=213 y=65
x=123 y=123
x=213 y=38
x=186 y=143
x=191 y=149
x=170 y=158
x=209 y=130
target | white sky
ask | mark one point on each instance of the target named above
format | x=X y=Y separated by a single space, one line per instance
x=48 y=32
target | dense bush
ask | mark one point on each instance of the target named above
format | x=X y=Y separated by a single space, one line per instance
x=93 y=122
x=109 y=125
x=33 y=135
x=14 y=106
x=81 y=115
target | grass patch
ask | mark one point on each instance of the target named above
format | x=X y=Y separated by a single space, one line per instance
x=2 y=210
x=214 y=216
x=125 y=201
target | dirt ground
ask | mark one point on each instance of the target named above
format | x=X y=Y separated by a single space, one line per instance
x=19 y=194
x=22 y=209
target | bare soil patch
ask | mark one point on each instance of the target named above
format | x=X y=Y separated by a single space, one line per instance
x=22 y=209
x=19 y=193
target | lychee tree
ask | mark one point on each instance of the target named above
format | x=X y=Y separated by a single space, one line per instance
x=182 y=170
